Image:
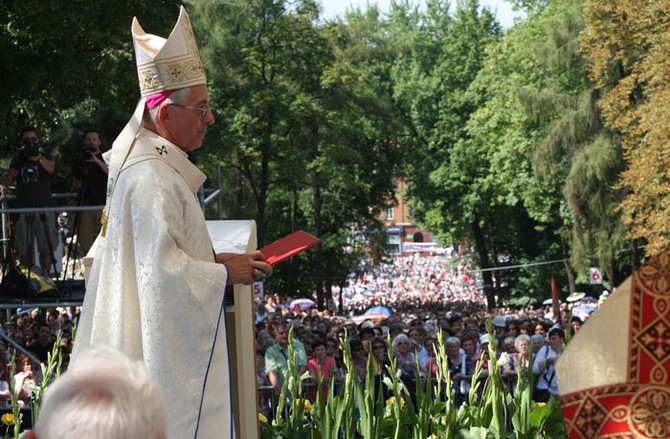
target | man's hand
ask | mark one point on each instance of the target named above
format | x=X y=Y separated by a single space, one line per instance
x=245 y=268
x=46 y=164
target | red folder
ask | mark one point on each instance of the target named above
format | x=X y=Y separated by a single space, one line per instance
x=288 y=246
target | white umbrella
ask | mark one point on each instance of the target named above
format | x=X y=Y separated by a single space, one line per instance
x=575 y=297
x=303 y=303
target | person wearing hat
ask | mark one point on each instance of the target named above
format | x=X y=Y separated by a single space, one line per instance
x=156 y=288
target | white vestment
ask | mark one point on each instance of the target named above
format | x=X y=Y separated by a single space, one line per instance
x=156 y=293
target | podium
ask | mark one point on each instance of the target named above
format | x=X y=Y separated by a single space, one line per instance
x=240 y=237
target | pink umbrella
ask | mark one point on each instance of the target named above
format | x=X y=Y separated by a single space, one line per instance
x=303 y=303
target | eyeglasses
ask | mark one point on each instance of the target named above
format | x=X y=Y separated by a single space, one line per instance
x=202 y=110
x=402 y=342
x=378 y=347
x=33 y=139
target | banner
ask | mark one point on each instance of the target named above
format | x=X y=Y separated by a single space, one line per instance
x=596 y=278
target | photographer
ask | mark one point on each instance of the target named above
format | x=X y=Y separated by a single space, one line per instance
x=91 y=182
x=31 y=170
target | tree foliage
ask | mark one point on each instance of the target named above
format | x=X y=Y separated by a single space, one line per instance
x=573 y=148
x=628 y=43
x=305 y=140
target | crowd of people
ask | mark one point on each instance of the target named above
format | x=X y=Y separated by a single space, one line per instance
x=425 y=299
x=35 y=332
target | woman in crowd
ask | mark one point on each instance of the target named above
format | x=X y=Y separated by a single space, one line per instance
x=460 y=369
x=538 y=341
x=334 y=351
x=418 y=334
x=512 y=328
x=520 y=359
x=469 y=345
x=380 y=360
x=431 y=346
x=403 y=348
x=404 y=353
x=30 y=374
x=321 y=366
x=358 y=358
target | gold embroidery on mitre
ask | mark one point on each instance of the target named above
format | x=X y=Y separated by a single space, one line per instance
x=147 y=79
x=181 y=72
x=650 y=413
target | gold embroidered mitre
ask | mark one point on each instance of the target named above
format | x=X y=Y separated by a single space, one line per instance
x=169 y=64
x=614 y=376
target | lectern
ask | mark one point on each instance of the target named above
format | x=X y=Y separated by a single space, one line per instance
x=240 y=237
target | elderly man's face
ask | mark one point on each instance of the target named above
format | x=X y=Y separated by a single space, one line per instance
x=187 y=126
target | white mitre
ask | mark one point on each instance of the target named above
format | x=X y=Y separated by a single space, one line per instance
x=167 y=64
x=162 y=65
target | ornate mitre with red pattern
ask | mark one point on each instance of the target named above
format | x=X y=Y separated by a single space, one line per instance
x=614 y=375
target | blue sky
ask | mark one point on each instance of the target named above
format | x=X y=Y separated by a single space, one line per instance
x=333 y=8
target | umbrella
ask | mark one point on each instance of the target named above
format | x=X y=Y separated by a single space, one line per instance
x=379 y=310
x=583 y=311
x=548 y=302
x=302 y=303
x=374 y=317
x=589 y=299
x=575 y=297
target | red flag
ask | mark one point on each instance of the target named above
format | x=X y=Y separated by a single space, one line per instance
x=555 y=301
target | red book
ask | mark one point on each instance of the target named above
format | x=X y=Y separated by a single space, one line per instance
x=288 y=246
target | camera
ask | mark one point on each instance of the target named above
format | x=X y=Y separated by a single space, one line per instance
x=30 y=149
x=86 y=155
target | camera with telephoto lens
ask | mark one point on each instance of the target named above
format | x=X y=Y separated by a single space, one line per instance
x=30 y=149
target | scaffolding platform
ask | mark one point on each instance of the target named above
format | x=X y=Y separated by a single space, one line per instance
x=70 y=292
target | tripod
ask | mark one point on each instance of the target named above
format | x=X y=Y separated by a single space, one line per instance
x=84 y=235
x=31 y=229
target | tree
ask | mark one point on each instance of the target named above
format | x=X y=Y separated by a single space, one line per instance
x=439 y=57
x=628 y=43
x=573 y=148
x=303 y=141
